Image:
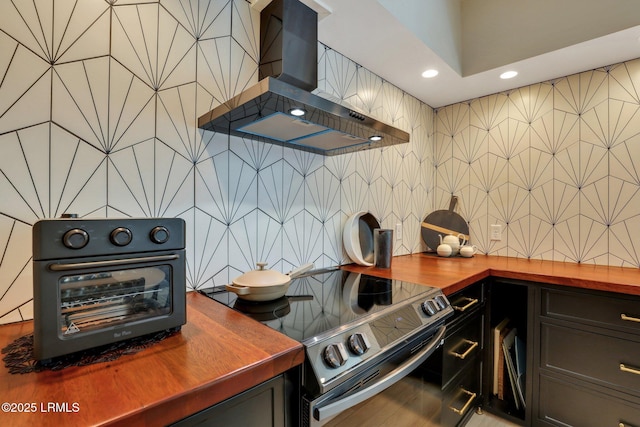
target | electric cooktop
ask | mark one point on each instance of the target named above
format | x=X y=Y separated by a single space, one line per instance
x=324 y=300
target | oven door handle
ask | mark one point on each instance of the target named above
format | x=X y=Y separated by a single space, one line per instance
x=322 y=413
x=111 y=262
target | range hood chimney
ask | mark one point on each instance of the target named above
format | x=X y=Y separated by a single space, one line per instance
x=288 y=73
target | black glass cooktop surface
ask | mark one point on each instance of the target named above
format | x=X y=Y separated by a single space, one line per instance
x=321 y=301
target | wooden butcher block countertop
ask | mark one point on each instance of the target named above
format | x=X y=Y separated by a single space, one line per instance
x=217 y=354
x=455 y=273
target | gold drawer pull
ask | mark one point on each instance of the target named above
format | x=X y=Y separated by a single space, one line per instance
x=462 y=410
x=625 y=368
x=471 y=302
x=629 y=318
x=621 y=424
x=472 y=345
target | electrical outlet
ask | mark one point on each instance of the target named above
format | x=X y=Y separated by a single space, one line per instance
x=496 y=232
x=399 y=231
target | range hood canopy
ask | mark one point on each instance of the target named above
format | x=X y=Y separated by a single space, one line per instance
x=288 y=74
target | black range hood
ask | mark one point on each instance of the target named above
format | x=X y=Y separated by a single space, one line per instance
x=288 y=74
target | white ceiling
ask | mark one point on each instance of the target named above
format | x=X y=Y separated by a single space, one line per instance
x=471 y=42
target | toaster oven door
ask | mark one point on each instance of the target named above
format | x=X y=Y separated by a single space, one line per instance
x=94 y=301
x=89 y=302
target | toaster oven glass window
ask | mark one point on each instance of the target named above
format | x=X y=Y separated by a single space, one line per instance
x=98 y=300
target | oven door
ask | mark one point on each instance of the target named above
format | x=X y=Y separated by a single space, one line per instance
x=86 y=303
x=332 y=408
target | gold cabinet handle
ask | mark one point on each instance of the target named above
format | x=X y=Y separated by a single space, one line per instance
x=472 y=345
x=629 y=318
x=625 y=368
x=621 y=424
x=470 y=303
x=462 y=410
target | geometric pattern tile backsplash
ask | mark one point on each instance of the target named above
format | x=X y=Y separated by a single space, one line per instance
x=557 y=164
x=99 y=101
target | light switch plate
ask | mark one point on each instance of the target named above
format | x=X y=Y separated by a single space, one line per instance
x=496 y=232
x=399 y=231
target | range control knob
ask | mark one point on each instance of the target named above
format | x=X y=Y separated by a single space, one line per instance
x=121 y=236
x=441 y=301
x=335 y=355
x=75 y=238
x=429 y=307
x=159 y=234
x=359 y=343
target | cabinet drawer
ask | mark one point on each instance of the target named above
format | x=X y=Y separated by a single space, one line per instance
x=613 y=312
x=260 y=406
x=462 y=347
x=606 y=360
x=567 y=404
x=466 y=301
x=460 y=396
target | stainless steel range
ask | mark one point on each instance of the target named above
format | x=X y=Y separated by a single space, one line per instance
x=361 y=334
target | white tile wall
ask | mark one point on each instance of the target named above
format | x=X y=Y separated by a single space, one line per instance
x=98 y=108
x=555 y=163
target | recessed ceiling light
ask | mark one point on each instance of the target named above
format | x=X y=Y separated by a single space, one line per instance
x=508 y=74
x=375 y=138
x=429 y=73
x=297 y=112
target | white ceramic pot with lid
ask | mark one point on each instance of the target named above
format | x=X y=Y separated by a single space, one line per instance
x=264 y=285
x=453 y=241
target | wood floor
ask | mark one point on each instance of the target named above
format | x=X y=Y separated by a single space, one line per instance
x=409 y=403
x=488 y=420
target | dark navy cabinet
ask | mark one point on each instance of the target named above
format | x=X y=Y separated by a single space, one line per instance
x=589 y=359
x=260 y=406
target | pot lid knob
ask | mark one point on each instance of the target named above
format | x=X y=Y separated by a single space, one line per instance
x=262 y=277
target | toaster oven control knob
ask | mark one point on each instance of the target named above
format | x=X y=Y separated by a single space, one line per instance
x=121 y=236
x=159 y=234
x=359 y=343
x=75 y=238
x=335 y=355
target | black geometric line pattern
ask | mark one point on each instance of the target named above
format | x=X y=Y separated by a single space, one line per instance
x=25 y=86
x=355 y=194
x=98 y=108
x=150 y=43
x=369 y=97
x=556 y=163
x=15 y=270
x=341 y=76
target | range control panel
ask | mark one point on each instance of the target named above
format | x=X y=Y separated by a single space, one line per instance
x=338 y=354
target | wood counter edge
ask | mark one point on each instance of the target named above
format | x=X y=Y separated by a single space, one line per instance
x=454 y=274
x=183 y=405
x=277 y=357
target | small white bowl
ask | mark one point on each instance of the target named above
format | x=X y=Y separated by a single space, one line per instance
x=357 y=237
